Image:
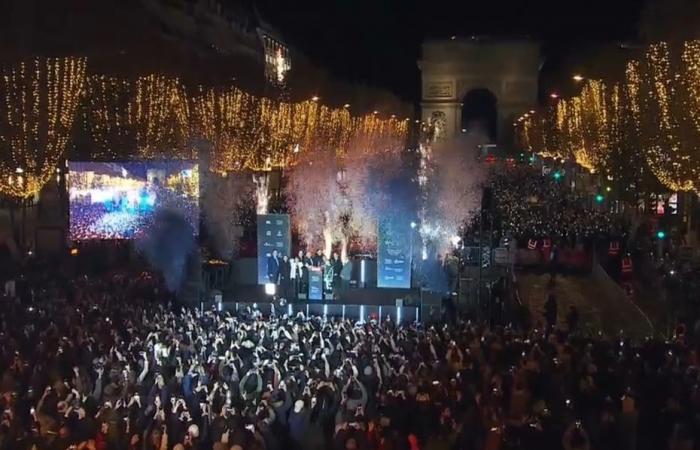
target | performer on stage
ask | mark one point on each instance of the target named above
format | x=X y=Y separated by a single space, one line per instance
x=327 y=274
x=337 y=265
x=285 y=269
x=294 y=276
x=273 y=267
x=318 y=259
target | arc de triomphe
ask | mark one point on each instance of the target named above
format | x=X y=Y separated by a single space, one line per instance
x=451 y=68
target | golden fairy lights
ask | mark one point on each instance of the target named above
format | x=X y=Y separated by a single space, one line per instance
x=41 y=99
x=148 y=118
x=655 y=110
x=107 y=116
x=667 y=132
x=154 y=117
x=246 y=132
x=160 y=113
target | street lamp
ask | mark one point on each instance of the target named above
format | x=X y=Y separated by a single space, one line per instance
x=554 y=95
x=315 y=98
x=578 y=78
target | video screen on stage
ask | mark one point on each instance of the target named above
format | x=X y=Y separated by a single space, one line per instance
x=118 y=200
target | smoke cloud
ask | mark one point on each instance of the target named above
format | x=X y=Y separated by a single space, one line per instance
x=167 y=244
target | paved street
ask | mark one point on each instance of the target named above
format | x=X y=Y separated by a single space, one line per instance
x=599 y=305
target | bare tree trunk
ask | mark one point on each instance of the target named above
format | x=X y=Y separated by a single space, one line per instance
x=262 y=196
x=327 y=241
x=344 y=250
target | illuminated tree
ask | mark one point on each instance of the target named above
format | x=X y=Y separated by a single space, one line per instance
x=666 y=125
x=220 y=117
x=36 y=120
x=108 y=117
x=159 y=112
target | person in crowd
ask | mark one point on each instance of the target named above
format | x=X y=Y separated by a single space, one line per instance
x=273 y=267
x=550 y=310
x=572 y=318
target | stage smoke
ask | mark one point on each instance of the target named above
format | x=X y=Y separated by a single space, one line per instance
x=167 y=243
x=226 y=201
x=455 y=193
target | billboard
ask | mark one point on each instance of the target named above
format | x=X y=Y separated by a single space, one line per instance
x=273 y=234
x=394 y=250
x=118 y=200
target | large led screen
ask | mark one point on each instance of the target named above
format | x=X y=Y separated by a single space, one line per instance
x=118 y=200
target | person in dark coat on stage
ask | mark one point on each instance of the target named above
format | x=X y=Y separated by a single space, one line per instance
x=285 y=269
x=273 y=267
x=337 y=266
x=317 y=260
x=308 y=261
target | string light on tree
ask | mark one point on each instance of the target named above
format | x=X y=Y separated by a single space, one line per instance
x=41 y=100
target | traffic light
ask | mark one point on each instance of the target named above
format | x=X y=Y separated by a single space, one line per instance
x=599 y=198
x=661 y=235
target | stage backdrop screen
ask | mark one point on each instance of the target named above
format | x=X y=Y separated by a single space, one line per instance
x=273 y=234
x=118 y=200
x=394 y=254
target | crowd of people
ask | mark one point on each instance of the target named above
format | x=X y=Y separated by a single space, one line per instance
x=109 y=363
x=530 y=205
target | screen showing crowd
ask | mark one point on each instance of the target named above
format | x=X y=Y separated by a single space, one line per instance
x=117 y=200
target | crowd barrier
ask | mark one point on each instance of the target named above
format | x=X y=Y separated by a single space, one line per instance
x=362 y=313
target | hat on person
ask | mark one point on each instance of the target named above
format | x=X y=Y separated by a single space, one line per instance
x=298 y=406
x=368 y=371
x=193 y=430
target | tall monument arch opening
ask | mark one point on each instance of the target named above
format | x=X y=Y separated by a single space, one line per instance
x=456 y=73
x=479 y=109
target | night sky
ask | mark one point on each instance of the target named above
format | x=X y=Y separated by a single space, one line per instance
x=378 y=41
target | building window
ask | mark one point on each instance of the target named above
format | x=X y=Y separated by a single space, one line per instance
x=277 y=61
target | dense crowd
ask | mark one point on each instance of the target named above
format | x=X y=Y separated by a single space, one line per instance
x=532 y=206
x=107 y=363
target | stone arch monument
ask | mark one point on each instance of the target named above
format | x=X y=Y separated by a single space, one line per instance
x=451 y=68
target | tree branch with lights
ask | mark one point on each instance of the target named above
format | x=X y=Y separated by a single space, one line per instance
x=41 y=100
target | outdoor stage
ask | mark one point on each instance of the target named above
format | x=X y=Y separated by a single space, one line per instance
x=348 y=301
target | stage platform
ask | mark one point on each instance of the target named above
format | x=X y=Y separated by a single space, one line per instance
x=358 y=304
